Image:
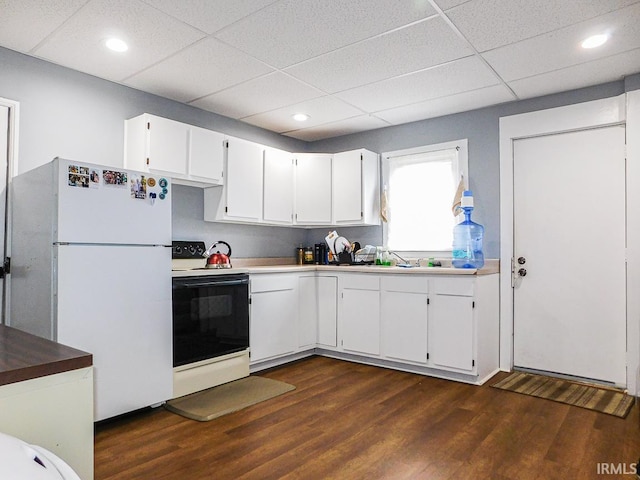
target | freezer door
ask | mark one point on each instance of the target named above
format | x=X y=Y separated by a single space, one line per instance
x=115 y=302
x=98 y=204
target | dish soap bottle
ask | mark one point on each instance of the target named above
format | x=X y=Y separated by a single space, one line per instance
x=467 y=238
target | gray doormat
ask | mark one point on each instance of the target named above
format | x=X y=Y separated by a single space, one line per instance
x=230 y=397
x=605 y=400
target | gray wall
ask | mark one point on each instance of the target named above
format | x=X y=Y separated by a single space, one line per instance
x=481 y=128
x=73 y=115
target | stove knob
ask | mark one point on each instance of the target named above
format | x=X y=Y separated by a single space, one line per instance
x=178 y=249
x=200 y=251
x=192 y=250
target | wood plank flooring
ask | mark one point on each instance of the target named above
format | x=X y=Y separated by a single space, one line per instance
x=351 y=421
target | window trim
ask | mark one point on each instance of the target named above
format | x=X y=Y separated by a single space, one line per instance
x=461 y=169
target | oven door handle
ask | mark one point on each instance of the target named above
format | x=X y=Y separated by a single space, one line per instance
x=223 y=283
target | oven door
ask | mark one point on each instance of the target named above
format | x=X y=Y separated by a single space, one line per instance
x=210 y=317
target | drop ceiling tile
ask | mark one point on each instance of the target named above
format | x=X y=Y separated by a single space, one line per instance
x=561 y=48
x=489 y=24
x=578 y=76
x=334 y=129
x=438 y=107
x=447 y=4
x=320 y=110
x=405 y=50
x=25 y=23
x=292 y=31
x=202 y=68
x=268 y=92
x=151 y=35
x=209 y=15
x=444 y=80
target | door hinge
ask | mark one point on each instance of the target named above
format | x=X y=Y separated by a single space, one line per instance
x=427 y=356
x=428 y=301
x=250 y=300
x=473 y=304
x=5 y=269
x=473 y=363
x=148 y=125
x=226 y=144
x=226 y=209
x=147 y=160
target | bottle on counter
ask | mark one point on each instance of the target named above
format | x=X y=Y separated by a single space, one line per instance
x=467 y=238
x=300 y=255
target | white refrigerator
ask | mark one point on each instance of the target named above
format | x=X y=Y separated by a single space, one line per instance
x=91 y=269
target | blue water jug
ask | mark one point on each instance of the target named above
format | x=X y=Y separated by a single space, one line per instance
x=467 y=238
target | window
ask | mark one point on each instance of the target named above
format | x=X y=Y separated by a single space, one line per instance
x=420 y=184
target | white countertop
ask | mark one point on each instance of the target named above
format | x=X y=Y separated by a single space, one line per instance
x=487 y=270
x=270 y=265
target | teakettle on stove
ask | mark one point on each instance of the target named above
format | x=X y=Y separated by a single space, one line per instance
x=215 y=259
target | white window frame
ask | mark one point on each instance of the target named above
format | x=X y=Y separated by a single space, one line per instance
x=461 y=169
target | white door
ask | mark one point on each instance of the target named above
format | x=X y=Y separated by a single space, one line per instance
x=313 y=189
x=278 y=187
x=4 y=144
x=244 y=179
x=569 y=237
x=206 y=155
x=451 y=332
x=347 y=187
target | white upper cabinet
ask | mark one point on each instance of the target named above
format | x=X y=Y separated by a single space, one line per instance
x=356 y=188
x=188 y=154
x=313 y=189
x=206 y=155
x=277 y=200
x=240 y=200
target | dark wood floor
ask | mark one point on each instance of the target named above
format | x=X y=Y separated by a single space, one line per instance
x=350 y=421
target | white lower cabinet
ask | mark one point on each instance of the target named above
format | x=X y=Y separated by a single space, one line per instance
x=442 y=325
x=404 y=313
x=327 y=311
x=451 y=328
x=359 y=313
x=273 y=315
x=307 y=311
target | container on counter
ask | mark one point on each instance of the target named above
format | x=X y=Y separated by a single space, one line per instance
x=308 y=255
x=467 y=238
x=300 y=255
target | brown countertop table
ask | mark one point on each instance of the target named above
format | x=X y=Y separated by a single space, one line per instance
x=24 y=356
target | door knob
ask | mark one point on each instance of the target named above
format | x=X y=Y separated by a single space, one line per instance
x=522 y=260
x=522 y=272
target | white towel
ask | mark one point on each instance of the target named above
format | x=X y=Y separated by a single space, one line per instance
x=457 y=198
x=383 y=205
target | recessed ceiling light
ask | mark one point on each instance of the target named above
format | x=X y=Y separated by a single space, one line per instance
x=116 y=45
x=301 y=117
x=595 y=40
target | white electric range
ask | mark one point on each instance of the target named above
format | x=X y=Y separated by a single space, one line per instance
x=210 y=321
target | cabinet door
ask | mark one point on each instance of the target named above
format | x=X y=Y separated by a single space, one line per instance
x=360 y=321
x=313 y=189
x=206 y=155
x=404 y=325
x=327 y=311
x=168 y=145
x=244 y=180
x=273 y=323
x=308 y=311
x=451 y=332
x=278 y=187
x=347 y=187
